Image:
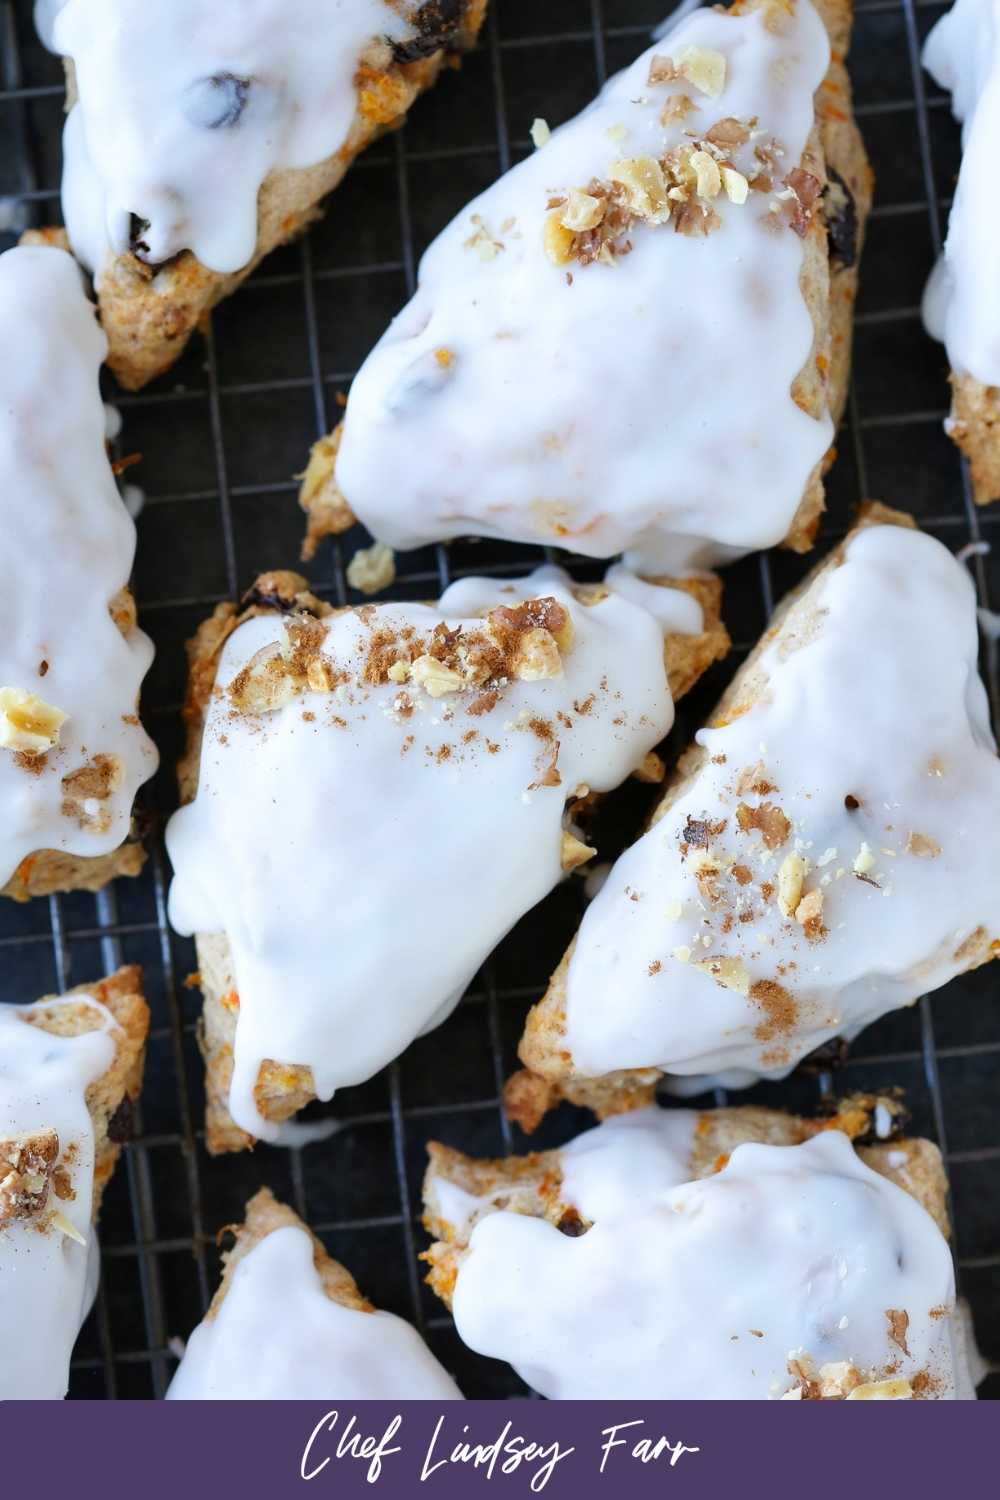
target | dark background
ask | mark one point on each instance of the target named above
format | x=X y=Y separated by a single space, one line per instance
x=221 y=435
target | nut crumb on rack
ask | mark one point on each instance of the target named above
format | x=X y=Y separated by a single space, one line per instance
x=373 y=568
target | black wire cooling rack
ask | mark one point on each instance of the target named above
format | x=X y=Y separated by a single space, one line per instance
x=222 y=434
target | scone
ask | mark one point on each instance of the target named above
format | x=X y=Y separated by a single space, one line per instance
x=737 y=1254
x=289 y=1324
x=962 y=300
x=200 y=137
x=72 y=750
x=375 y=795
x=638 y=339
x=70 y=1069
x=823 y=854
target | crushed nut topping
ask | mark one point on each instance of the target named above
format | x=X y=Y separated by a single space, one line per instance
x=26 y=1165
x=895 y=1389
x=791 y=878
x=923 y=846
x=899 y=1322
x=27 y=724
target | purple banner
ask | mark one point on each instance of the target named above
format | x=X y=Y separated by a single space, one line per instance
x=560 y=1449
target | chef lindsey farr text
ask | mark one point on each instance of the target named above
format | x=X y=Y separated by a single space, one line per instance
x=338 y=1436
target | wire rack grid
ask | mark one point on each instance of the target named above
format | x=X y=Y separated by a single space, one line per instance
x=222 y=434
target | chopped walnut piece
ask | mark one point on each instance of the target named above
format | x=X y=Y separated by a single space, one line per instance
x=696 y=219
x=582 y=210
x=704 y=68
x=677 y=107
x=731 y=973
x=899 y=1322
x=435 y=677
x=768 y=819
x=923 y=846
x=836 y=1379
x=26 y=1164
x=791 y=878
x=661 y=69
x=558 y=240
x=372 y=569
x=573 y=852
x=708 y=179
x=895 y=1389
x=28 y=725
x=645 y=187
x=809 y=915
x=536 y=657
x=735 y=184
x=728 y=132
x=265 y=683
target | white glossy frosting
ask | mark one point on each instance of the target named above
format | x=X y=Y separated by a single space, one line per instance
x=69 y=544
x=706 y=1290
x=645 y=406
x=185 y=108
x=882 y=704
x=365 y=860
x=278 y=1337
x=47 y=1277
x=962 y=301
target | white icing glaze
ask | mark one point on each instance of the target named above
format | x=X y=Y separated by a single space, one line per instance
x=589 y=415
x=703 y=1290
x=48 y=1279
x=883 y=703
x=364 y=863
x=962 y=301
x=69 y=545
x=278 y=1337
x=185 y=108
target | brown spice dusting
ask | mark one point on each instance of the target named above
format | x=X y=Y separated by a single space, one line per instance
x=33 y=764
x=654 y=967
x=779 y=1007
x=741 y=875
x=698 y=833
x=26 y=1163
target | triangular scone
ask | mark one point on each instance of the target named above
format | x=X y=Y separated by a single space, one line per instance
x=735 y=1253
x=289 y=1323
x=962 y=301
x=376 y=795
x=824 y=853
x=638 y=339
x=70 y=1071
x=165 y=200
x=72 y=750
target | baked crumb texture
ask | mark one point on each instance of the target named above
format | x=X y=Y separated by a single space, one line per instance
x=464 y=683
x=631 y=1181
x=823 y=198
x=66 y=1108
x=149 y=311
x=722 y=923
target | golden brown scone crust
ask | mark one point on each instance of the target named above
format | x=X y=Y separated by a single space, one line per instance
x=549 y=1074
x=283 y=1089
x=835 y=157
x=974 y=425
x=264 y=1214
x=110 y=1097
x=531 y=1184
x=149 y=313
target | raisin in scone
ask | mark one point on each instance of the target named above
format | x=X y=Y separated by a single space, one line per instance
x=72 y=750
x=962 y=300
x=638 y=339
x=70 y=1070
x=375 y=795
x=823 y=854
x=200 y=137
x=736 y=1254
x=289 y=1324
